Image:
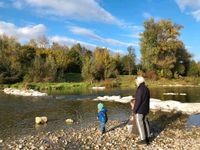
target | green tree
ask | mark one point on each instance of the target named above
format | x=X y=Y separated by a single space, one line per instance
x=118 y=63
x=198 y=65
x=42 y=42
x=103 y=65
x=32 y=43
x=128 y=60
x=57 y=46
x=161 y=47
x=87 y=68
x=10 y=67
x=75 y=64
x=193 y=69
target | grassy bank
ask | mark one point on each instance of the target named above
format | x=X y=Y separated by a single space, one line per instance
x=122 y=81
x=48 y=86
x=129 y=81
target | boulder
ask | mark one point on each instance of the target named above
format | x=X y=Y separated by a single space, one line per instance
x=69 y=121
x=23 y=92
x=41 y=120
x=156 y=104
x=99 y=88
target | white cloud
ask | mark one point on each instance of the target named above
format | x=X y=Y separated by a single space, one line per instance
x=22 y=33
x=196 y=14
x=70 y=42
x=88 y=10
x=92 y=35
x=84 y=32
x=192 y=6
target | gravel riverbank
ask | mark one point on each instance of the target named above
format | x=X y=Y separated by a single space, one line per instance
x=171 y=135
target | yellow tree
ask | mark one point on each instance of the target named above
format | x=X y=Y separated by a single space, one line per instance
x=160 y=44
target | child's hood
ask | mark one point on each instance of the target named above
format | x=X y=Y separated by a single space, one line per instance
x=104 y=110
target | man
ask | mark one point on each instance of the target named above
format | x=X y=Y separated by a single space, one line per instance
x=141 y=110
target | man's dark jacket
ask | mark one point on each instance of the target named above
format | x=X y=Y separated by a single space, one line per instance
x=142 y=97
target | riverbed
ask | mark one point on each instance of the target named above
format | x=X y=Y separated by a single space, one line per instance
x=17 y=113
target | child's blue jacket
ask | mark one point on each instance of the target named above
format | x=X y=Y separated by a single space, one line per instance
x=101 y=115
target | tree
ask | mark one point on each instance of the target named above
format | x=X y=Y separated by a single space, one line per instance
x=32 y=43
x=182 y=61
x=57 y=46
x=42 y=42
x=86 y=69
x=75 y=60
x=118 y=63
x=198 y=65
x=128 y=60
x=103 y=65
x=161 y=47
x=193 y=69
x=10 y=67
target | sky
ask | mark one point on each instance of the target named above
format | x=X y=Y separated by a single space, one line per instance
x=114 y=24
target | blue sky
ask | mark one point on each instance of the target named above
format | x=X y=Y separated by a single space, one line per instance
x=114 y=24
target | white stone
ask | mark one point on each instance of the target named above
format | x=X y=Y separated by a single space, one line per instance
x=99 y=88
x=23 y=92
x=41 y=120
x=69 y=121
x=183 y=94
x=156 y=104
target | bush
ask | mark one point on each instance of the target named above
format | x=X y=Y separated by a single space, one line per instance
x=152 y=75
x=140 y=72
x=110 y=83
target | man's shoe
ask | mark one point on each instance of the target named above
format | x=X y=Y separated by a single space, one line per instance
x=143 y=142
x=147 y=141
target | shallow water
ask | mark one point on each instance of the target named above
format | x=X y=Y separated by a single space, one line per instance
x=194 y=120
x=17 y=113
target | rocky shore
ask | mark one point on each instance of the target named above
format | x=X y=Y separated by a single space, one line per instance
x=23 y=92
x=158 y=105
x=173 y=134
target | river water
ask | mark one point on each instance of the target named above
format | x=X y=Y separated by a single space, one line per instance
x=17 y=113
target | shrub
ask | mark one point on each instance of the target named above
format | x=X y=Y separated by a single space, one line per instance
x=152 y=75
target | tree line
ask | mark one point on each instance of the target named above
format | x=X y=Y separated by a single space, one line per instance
x=163 y=54
x=36 y=61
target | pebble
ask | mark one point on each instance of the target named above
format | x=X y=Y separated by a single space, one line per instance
x=90 y=138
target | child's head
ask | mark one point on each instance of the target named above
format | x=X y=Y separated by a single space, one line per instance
x=100 y=106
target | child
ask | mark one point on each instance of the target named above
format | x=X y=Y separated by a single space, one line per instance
x=102 y=115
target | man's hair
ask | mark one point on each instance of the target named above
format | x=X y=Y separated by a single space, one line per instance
x=139 y=80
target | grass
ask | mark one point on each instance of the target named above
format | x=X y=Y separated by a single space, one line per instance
x=122 y=81
x=48 y=86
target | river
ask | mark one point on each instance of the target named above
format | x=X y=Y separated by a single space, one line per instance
x=17 y=113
